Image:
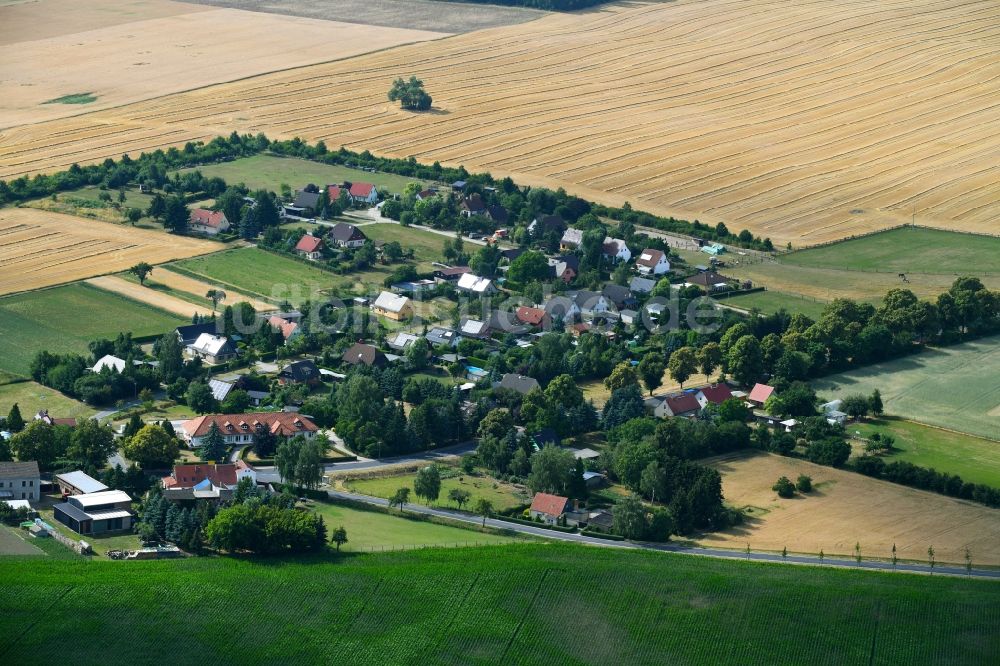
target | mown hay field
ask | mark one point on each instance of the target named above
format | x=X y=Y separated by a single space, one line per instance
x=65 y=319
x=519 y=604
x=804 y=123
x=846 y=508
x=146 y=49
x=147 y=294
x=950 y=387
x=39 y=248
x=30 y=397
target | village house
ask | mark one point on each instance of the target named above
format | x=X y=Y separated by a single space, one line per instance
x=675 y=405
x=618 y=296
x=187 y=335
x=221 y=390
x=289 y=329
x=210 y=223
x=565 y=268
x=363 y=354
x=426 y=194
x=641 y=285
x=20 y=481
x=442 y=336
x=616 y=250
x=310 y=247
x=709 y=281
x=535 y=317
x=591 y=303
x=759 y=394
x=393 y=306
x=518 y=383
x=78 y=483
x=473 y=284
x=96 y=513
x=571 y=240
x=305 y=204
x=206 y=481
x=241 y=428
x=451 y=274
x=472 y=205
x=303 y=372
x=347 y=235
x=502 y=322
x=548 y=508
x=43 y=416
x=474 y=328
x=562 y=308
x=401 y=341
x=652 y=262
x=545 y=225
x=361 y=194
x=497 y=214
x=716 y=394
x=212 y=349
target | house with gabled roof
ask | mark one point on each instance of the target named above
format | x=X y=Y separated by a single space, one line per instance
x=289 y=329
x=304 y=372
x=472 y=205
x=307 y=202
x=439 y=335
x=618 y=296
x=474 y=284
x=545 y=224
x=213 y=349
x=362 y=193
x=530 y=316
x=549 y=508
x=565 y=268
x=497 y=214
x=208 y=222
x=241 y=428
x=393 y=306
x=678 y=404
x=616 y=250
x=715 y=394
x=571 y=240
x=641 y=285
x=474 y=328
x=347 y=235
x=19 y=480
x=519 y=383
x=310 y=247
x=363 y=354
x=451 y=273
x=652 y=262
x=186 y=335
x=759 y=394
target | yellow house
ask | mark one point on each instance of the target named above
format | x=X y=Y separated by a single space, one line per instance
x=393 y=306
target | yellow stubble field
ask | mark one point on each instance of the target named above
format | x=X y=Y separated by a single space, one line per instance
x=40 y=249
x=845 y=509
x=804 y=122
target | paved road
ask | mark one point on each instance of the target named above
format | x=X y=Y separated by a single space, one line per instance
x=270 y=475
x=671 y=547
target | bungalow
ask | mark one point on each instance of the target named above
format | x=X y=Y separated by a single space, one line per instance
x=715 y=394
x=451 y=274
x=111 y=362
x=537 y=317
x=472 y=205
x=545 y=225
x=310 y=247
x=442 y=336
x=212 y=349
x=300 y=372
x=641 y=285
x=473 y=284
x=474 y=328
x=571 y=240
x=401 y=341
x=362 y=354
x=241 y=428
x=393 y=306
x=518 y=383
x=19 y=481
x=208 y=222
x=652 y=262
x=759 y=394
x=96 y=513
x=186 y=335
x=628 y=317
x=347 y=235
x=548 y=508
x=78 y=483
x=616 y=250
x=709 y=281
x=289 y=329
x=307 y=203
x=594 y=479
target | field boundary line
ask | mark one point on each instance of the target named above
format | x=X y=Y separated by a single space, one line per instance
x=38 y=619
x=144 y=304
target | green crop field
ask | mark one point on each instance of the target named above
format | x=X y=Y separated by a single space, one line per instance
x=260 y=273
x=270 y=171
x=65 y=319
x=502 y=495
x=973 y=458
x=952 y=387
x=519 y=604
x=374 y=530
x=906 y=250
x=772 y=301
x=31 y=397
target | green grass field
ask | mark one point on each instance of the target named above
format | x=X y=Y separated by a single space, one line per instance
x=14 y=541
x=31 y=397
x=270 y=171
x=521 y=604
x=772 y=301
x=973 y=458
x=260 y=273
x=906 y=250
x=75 y=98
x=953 y=387
x=503 y=496
x=65 y=319
x=373 y=530
x=426 y=245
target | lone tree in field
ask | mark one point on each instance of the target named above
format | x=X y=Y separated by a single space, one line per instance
x=339 y=537
x=410 y=94
x=141 y=270
x=484 y=508
x=215 y=295
x=400 y=497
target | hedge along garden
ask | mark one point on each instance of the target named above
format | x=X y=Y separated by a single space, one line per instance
x=524 y=604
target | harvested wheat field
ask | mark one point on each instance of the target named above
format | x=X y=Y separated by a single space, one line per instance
x=801 y=122
x=845 y=509
x=147 y=295
x=152 y=48
x=40 y=249
x=199 y=288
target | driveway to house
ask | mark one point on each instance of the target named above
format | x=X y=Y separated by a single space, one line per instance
x=949 y=570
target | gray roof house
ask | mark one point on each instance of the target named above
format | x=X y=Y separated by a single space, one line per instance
x=518 y=383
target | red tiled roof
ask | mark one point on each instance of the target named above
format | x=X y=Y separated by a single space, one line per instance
x=362 y=190
x=682 y=403
x=333 y=192
x=280 y=423
x=309 y=244
x=717 y=393
x=552 y=505
x=531 y=316
x=186 y=476
x=760 y=393
x=207 y=218
x=286 y=327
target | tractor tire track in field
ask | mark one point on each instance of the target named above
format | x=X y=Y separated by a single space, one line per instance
x=39 y=618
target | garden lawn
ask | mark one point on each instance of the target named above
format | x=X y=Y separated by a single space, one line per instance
x=771 y=301
x=31 y=397
x=949 y=387
x=973 y=458
x=373 y=530
x=65 y=319
x=270 y=171
x=427 y=246
x=503 y=495
x=260 y=273
x=519 y=604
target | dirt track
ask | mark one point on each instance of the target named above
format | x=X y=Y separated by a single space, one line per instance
x=801 y=122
